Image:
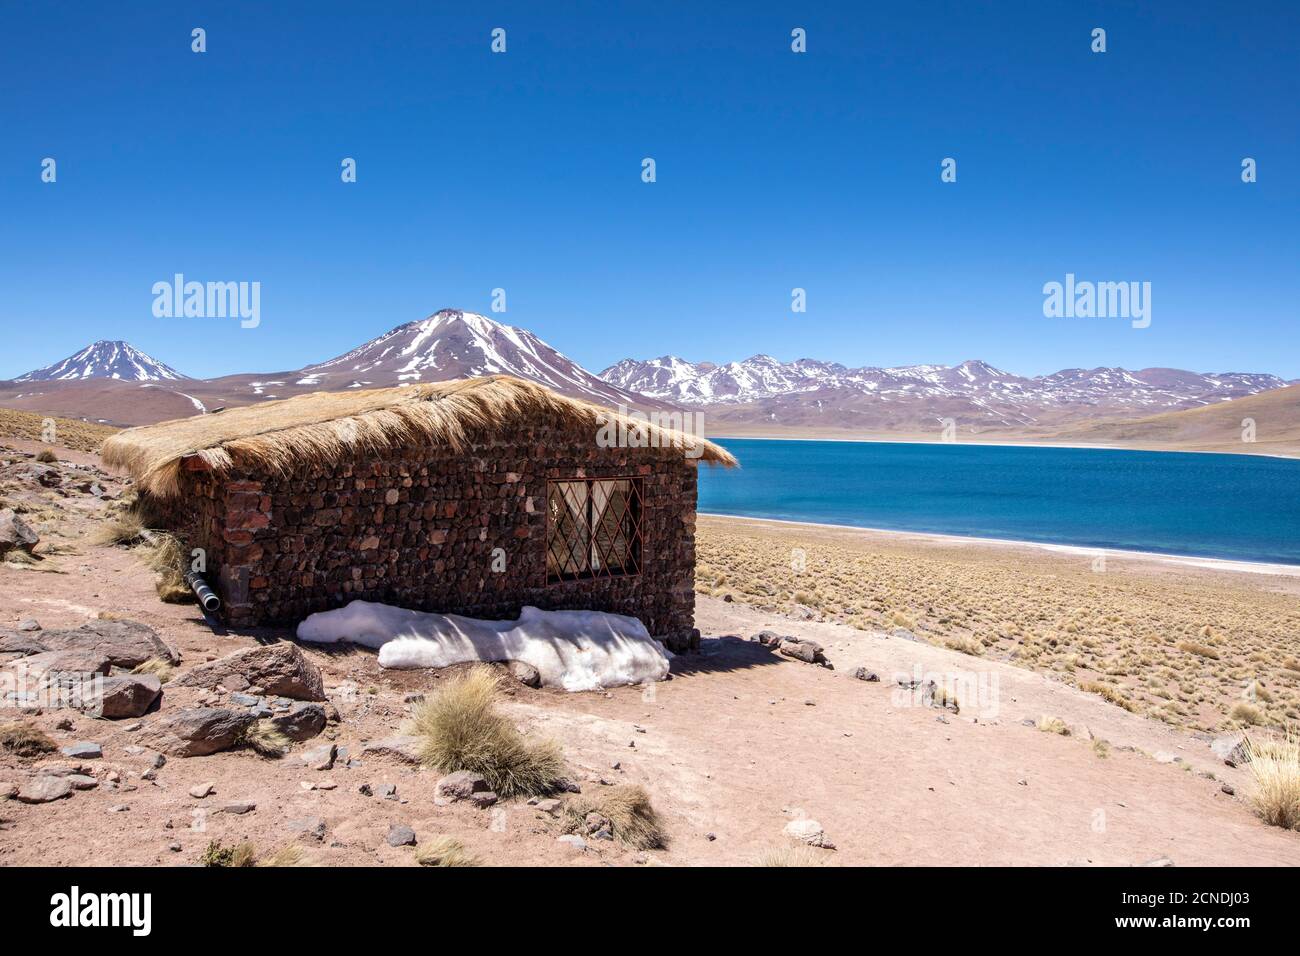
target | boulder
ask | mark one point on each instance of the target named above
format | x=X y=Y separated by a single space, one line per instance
x=278 y=670
x=810 y=652
x=320 y=758
x=399 y=834
x=83 y=750
x=126 y=695
x=1232 y=749
x=125 y=643
x=303 y=721
x=809 y=832
x=15 y=533
x=406 y=749
x=197 y=731
x=310 y=829
x=525 y=673
x=461 y=785
x=44 y=789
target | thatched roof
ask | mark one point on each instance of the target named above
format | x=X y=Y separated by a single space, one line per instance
x=326 y=426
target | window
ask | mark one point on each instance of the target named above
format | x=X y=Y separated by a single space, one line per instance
x=593 y=528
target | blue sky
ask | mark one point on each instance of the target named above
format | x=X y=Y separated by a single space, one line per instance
x=775 y=170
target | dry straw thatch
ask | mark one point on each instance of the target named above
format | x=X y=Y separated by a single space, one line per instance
x=326 y=426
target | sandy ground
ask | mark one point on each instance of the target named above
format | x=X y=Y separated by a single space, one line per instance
x=736 y=745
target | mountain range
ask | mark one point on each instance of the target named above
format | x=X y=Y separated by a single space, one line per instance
x=111 y=381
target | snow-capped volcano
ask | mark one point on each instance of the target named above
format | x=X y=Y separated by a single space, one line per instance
x=455 y=344
x=105 y=359
x=807 y=390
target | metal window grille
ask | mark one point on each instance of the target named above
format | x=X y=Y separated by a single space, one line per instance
x=593 y=528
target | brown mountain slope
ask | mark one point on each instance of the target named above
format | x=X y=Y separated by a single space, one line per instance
x=1222 y=427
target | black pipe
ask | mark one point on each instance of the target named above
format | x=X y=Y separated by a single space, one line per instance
x=208 y=599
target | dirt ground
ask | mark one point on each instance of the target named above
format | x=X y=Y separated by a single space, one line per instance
x=736 y=745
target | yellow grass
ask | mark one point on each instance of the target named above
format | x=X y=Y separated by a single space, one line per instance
x=1123 y=634
x=24 y=740
x=1053 y=725
x=68 y=432
x=1275 y=768
x=633 y=820
x=263 y=737
x=325 y=426
x=797 y=855
x=157 y=667
x=460 y=729
x=444 y=851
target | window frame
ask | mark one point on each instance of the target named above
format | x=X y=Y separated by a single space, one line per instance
x=635 y=507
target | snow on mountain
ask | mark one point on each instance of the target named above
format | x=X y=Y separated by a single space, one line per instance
x=105 y=359
x=454 y=344
x=763 y=378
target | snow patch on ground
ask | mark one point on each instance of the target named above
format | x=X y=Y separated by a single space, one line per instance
x=574 y=650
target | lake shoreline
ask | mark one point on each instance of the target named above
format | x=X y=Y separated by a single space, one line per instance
x=1288 y=455
x=1228 y=565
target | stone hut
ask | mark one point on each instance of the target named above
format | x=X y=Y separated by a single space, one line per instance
x=474 y=497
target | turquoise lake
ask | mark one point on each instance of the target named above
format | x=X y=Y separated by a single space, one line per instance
x=1241 y=507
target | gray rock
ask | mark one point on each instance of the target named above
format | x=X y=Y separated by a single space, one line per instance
x=126 y=644
x=279 y=670
x=484 y=799
x=862 y=673
x=461 y=785
x=16 y=534
x=245 y=700
x=302 y=722
x=83 y=750
x=29 y=624
x=126 y=695
x=81 y=781
x=809 y=832
x=406 y=749
x=548 y=805
x=238 y=807
x=44 y=789
x=401 y=835
x=199 y=791
x=572 y=840
x=197 y=731
x=810 y=652
x=320 y=758
x=525 y=673
x=1232 y=749
x=1161 y=861
x=387 y=790
x=310 y=828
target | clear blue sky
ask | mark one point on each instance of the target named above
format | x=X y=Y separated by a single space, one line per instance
x=775 y=170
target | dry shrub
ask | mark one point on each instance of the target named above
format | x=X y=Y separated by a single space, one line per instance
x=460 y=729
x=1275 y=767
x=125 y=527
x=1200 y=650
x=263 y=737
x=243 y=854
x=1248 y=714
x=24 y=740
x=46 y=457
x=444 y=851
x=1110 y=694
x=156 y=666
x=632 y=818
x=1053 y=725
x=287 y=855
x=794 y=855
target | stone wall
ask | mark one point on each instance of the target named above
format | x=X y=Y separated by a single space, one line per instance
x=418 y=528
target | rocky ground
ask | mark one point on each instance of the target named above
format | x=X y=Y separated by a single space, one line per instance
x=751 y=746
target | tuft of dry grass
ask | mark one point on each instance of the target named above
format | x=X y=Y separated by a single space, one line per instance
x=156 y=666
x=444 y=851
x=263 y=737
x=242 y=854
x=1053 y=725
x=24 y=740
x=1275 y=767
x=125 y=527
x=1200 y=650
x=460 y=729
x=46 y=457
x=633 y=820
x=287 y=855
x=1248 y=714
x=794 y=855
